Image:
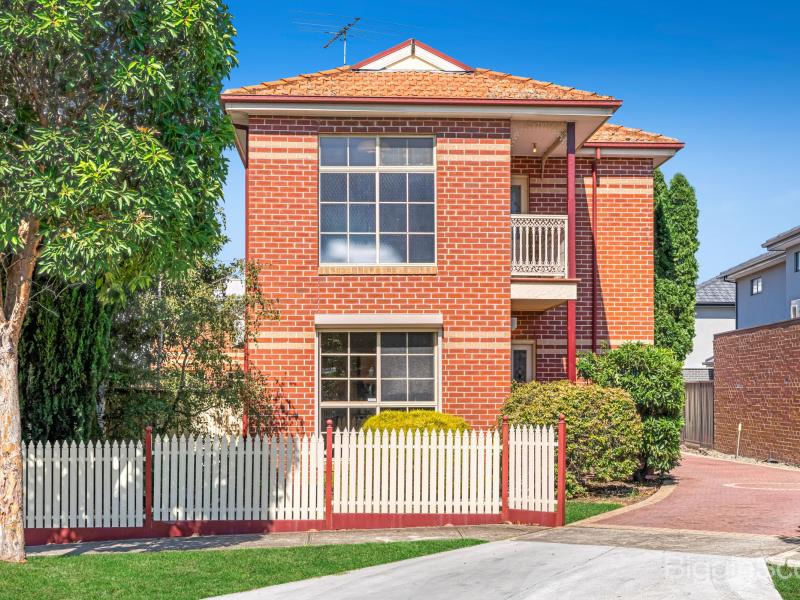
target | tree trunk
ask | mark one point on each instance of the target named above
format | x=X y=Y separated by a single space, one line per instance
x=12 y=534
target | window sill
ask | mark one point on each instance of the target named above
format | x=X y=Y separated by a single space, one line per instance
x=377 y=270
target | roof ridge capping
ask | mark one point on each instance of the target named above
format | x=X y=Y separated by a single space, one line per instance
x=783 y=240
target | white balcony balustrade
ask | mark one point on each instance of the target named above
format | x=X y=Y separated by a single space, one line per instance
x=539 y=246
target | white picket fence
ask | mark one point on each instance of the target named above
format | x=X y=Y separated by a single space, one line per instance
x=283 y=477
x=83 y=485
x=531 y=468
x=235 y=479
x=416 y=472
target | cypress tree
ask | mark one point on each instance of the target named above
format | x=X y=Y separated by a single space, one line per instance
x=676 y=268
x=63 y=361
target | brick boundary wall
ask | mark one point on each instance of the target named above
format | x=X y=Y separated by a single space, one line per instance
x=757 y=383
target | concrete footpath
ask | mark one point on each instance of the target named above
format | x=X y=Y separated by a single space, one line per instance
x=523 y=568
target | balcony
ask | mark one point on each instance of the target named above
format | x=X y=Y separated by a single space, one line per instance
x=539 y=246
x=539 y=262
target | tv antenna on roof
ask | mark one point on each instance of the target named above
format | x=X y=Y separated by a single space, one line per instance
x=342 y=34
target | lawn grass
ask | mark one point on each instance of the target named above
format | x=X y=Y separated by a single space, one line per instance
x=787 y=582
x=578 y=510
x=197 y=573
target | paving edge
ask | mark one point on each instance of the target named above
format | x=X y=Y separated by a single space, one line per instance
x=663 y=492
x=732 y=459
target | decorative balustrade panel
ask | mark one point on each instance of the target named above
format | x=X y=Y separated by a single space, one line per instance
x=539 y=245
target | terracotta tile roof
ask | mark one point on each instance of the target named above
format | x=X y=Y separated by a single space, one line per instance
x=617 y=134
x=475 y=85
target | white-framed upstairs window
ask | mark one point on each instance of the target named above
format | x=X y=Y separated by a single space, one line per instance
x=756 y=286
x=364 y=372
x=797 y=262
x=377 y=200
x=519 y=194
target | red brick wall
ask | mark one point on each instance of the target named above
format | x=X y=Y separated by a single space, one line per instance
x=470 y=288
x=623 y=235
x=757 y=383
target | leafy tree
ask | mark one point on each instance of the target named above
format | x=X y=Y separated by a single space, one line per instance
x=63 y=363
x=653 y=378
x=111 y=165
x=174 y=362
x=676 y=268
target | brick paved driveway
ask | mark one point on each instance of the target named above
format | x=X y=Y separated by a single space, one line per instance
x=727 y=496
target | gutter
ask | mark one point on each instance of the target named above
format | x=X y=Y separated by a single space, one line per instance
x=233 y=98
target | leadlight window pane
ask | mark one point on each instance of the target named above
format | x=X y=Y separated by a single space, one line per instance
x=422 y=249
x=363 y=366
x=333 y=248
x=421 y=217
x=333 y=187
x=393 y=217
x=393 y=151
x=333 y=218
x=362 y=249
x=362 y=218
x=334 y=343
x=420 y=343
x=334 y=366
x=420 y=187
x=420 y=151
x=362 y=187
x=333 y=151
x=363 y=343
x=393 y=249
x=362 y=151
x=393 y=187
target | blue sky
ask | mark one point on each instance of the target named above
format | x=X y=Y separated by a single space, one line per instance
x=724 y=77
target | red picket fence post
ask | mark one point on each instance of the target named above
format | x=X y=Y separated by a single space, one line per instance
x=329 y=474
x=561 y=511
x=504 y=511
x=148 y=477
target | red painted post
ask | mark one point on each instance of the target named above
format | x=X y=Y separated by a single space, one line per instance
x=504 y=515
x=329 y=474
x=572 y=213
x=562 y=472
x=148 y=477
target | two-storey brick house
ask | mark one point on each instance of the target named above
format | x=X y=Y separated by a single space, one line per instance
x=432 y=230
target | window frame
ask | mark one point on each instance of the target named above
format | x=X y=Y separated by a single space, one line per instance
x=377 y=169
x=378 y=404
x=756 y=282
x=797 y=261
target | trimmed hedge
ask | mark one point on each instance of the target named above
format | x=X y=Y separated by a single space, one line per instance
x=426 y=420
x=654 y=379
x=604 y=432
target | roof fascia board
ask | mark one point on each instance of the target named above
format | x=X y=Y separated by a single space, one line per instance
x=735 y=275
x=230 y=99
x=505 y=111
x=783 y=243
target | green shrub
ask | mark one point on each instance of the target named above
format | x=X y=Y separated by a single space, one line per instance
x=427 y=420
x=604 y=432
x=654 y=380
x=661 y=442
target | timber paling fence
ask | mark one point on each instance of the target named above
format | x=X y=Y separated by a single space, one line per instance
x=176 y=486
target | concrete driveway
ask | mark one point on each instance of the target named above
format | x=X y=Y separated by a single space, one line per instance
x=725 y=496
x=521 y=569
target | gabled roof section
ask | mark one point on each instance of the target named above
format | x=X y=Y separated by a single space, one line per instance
x=412 y=55
x=716 y=291
x=611 y=135
x=414 y=72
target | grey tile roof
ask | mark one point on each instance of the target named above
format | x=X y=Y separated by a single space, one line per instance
x=716 y=291
x=752 y=262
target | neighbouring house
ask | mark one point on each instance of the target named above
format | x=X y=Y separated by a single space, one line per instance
x=768 y=286
x=432 y=230
x=715 y=312
x=756 y=381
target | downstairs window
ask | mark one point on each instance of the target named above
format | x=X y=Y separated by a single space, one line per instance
x=362 y=373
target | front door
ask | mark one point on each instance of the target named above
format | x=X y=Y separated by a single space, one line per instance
x=522 y=362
